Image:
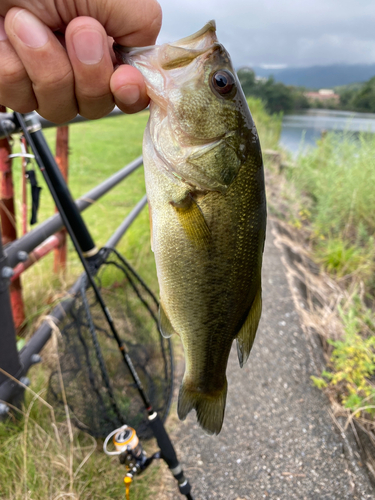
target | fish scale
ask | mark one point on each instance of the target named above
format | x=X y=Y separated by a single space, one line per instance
x=205 y=188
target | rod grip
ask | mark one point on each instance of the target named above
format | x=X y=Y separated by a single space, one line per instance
x=165 y=444
x=169 y=455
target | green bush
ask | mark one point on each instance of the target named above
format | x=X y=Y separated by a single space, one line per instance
x=352 y=362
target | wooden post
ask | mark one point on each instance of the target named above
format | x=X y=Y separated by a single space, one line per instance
x=62 y=151
x=8 y=223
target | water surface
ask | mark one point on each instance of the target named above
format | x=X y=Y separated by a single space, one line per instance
x=301 y=130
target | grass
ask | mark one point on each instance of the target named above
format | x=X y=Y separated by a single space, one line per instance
x=335 y=181
x=44 y=460
x=338 y=176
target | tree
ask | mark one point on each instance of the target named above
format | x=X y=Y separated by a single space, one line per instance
x=247 y=79
x=364 y=99
x=276 y=96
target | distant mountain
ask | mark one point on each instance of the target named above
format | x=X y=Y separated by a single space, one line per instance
x=317 y=77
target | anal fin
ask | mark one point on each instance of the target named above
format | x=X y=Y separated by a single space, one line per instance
x=165 y=326
x=246 y=336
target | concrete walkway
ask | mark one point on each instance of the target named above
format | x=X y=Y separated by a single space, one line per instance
x=278 y=440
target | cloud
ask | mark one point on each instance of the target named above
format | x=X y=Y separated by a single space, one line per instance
x=271 y=32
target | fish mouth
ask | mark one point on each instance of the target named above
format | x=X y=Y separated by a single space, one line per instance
x=173 y=54
x=170 y=56
x=124 y=54
x=208 y=27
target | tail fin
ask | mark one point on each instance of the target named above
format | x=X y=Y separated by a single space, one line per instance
x=209 y=407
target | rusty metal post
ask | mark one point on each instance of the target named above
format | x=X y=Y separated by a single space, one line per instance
x=53 y=242
x=62 y=151
x=9 y=360
x=8 y=223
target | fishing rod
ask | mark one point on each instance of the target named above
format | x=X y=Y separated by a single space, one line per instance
x=91 y=260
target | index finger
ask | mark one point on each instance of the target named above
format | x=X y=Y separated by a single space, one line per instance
x=46 y=64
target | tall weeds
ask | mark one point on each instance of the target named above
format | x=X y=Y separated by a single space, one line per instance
x=336 y=182
x=335 y=187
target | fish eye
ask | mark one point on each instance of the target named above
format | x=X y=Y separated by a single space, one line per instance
x=222 y=82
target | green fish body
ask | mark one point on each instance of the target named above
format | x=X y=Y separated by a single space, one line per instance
x=206 y=195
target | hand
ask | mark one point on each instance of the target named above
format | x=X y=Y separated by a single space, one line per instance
x=56 y=57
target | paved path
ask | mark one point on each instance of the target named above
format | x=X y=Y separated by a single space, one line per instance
x=278 y=440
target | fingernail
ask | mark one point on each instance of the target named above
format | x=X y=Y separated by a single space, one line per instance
x=128 y=94
x=88 y=46
x=3 y=35
x=30 y=30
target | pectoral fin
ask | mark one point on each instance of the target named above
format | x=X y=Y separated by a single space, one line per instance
x=192 y=220
x=246 y=336
x=165 y=326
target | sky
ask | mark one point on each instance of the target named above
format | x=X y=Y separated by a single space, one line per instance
x=280 y=33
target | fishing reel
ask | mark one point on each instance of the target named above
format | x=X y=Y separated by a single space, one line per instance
x=130 y=452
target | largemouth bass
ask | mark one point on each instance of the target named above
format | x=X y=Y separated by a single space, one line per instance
x=206 y=196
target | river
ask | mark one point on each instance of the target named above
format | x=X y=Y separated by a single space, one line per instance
x=300 y=131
